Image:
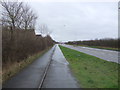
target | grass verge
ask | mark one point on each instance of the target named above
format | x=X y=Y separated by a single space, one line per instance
x=13 y=68
x=90 y=71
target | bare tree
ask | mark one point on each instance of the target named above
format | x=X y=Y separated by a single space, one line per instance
x=43 y=29
x=29 y=18
x=17 y=14
x=11 y=13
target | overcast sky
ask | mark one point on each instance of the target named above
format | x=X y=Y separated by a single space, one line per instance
x=78 y=21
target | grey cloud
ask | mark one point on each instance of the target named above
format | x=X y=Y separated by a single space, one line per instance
x=79 y=21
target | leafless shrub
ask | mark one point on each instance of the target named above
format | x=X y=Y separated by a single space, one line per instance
x=25 y=44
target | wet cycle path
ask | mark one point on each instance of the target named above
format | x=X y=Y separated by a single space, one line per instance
x=59 y=74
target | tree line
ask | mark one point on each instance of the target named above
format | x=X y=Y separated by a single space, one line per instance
x=19 y=40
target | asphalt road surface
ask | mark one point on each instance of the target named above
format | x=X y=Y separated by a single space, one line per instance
x=49 y=71
x=108 y=55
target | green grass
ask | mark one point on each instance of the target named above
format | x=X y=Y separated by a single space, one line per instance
x=90 y=71
x=12 y=68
